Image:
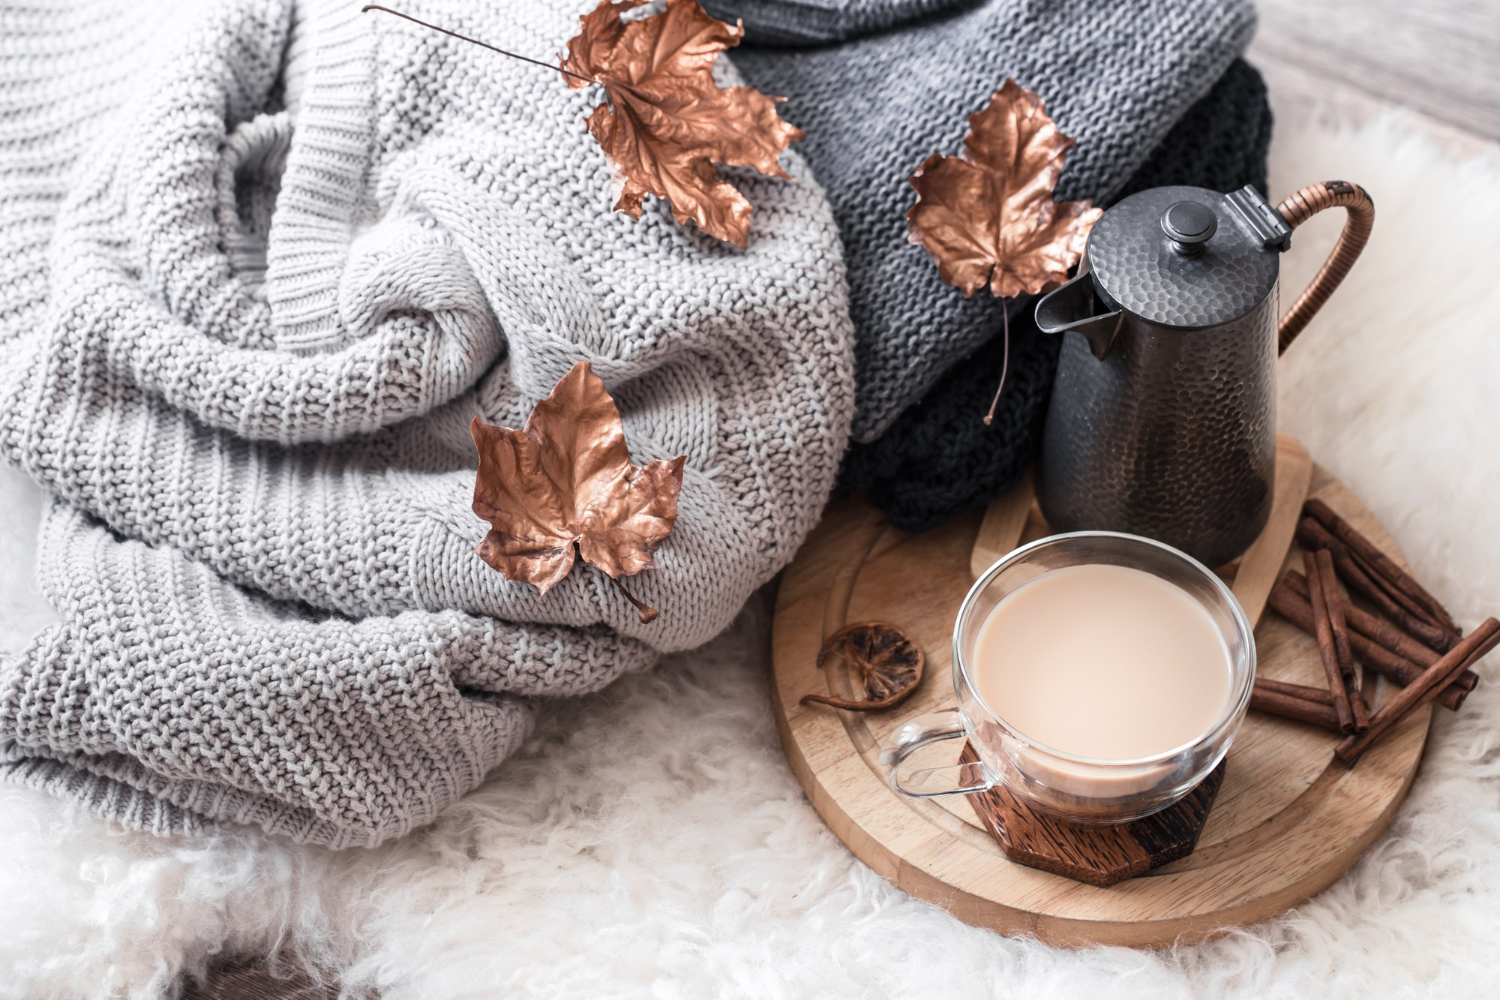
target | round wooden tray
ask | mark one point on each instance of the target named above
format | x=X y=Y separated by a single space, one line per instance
x=1288 y=821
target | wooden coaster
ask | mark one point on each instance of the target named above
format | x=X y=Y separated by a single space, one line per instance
x=1098 y=855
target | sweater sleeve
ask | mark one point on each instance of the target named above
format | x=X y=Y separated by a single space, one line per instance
x=167 y=696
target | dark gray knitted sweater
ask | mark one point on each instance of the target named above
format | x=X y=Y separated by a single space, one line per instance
x=939 y=459
x=899 y=85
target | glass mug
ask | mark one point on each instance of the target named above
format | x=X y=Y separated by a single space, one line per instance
x=1080 y=789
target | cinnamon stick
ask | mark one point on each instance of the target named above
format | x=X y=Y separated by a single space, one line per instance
x=1312 y=535
x=1393 y=592
x=1295 y=608
x=1407 y=603
x=1303 y=691
x=1288 y=706
x=1380 y=563
x=1377 y=630
x=1334 y=604
x=1313 y=563
x=1469 y=650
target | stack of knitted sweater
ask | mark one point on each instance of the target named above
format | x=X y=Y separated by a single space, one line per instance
x=262 y=260
x=1155 y=93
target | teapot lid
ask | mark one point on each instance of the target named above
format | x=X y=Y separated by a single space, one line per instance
x=1186 y=256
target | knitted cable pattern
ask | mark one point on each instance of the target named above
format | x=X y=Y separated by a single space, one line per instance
x=260 y=263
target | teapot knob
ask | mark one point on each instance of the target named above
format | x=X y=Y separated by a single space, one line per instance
x=1189 y=225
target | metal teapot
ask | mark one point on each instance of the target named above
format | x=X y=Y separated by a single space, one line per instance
x=1162 y=420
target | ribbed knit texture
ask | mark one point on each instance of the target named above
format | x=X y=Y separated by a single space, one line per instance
x=818 y=22
x=259 y=266
x=939 y=459
x=1115 y=76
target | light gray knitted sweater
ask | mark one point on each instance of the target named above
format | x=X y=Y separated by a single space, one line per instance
x=259 y=266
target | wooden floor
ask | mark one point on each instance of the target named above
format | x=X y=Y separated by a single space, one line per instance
x=251 y=981
x=1441 y=58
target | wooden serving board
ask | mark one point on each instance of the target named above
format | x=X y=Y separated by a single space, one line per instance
x=1288 y=821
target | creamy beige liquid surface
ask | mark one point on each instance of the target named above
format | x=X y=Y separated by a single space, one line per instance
x=1105 y=662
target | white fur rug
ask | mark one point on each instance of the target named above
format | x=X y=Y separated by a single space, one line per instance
x=654 y=843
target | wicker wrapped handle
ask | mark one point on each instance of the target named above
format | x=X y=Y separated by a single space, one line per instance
x=1300 y=207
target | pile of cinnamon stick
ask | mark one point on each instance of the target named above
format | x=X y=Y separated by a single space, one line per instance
x=1415 y=645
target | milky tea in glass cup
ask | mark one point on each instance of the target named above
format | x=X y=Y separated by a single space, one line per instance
x=1099 y=676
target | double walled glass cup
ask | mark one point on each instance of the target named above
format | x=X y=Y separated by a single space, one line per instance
x=1080 y=789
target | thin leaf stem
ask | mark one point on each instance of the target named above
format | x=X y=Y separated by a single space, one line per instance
x=989 y=417
x=647 y=612
x=475 y=41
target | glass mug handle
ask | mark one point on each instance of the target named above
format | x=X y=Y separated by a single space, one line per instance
x=929 y=782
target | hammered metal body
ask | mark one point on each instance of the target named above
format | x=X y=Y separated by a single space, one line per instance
x=1172 y=434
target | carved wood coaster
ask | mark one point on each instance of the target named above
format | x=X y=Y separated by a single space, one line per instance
x=1098 y=855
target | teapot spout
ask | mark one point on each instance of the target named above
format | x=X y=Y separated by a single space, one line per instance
x=1076 y=306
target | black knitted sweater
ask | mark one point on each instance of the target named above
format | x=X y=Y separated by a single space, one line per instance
x=939 y=459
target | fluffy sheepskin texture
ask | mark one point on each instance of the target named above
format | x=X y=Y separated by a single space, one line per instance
x=651 y=841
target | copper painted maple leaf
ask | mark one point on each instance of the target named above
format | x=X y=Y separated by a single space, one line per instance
x=666 y=123
x=565 y=486
x=987 y=217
